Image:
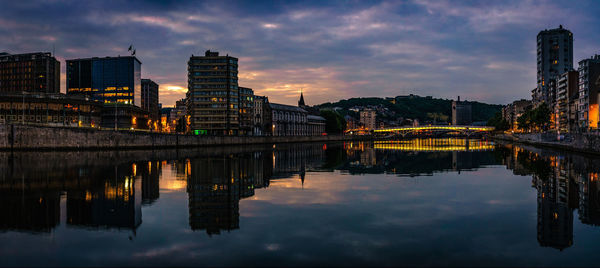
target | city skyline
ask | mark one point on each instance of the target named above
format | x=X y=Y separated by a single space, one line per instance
x=331 y=51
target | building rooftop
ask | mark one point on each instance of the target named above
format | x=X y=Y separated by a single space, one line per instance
x=285 y=107
x=106 y=58
x=315 y=117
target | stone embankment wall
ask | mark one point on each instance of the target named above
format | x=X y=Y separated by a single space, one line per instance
x=24 y=137
x=584 y=142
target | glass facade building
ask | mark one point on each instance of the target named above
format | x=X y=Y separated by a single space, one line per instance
x=109 y=80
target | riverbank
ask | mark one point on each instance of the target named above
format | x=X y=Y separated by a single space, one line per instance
x=585 y=143
x=25 y=137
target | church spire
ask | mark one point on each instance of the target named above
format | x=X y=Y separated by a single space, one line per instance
x=301 y=101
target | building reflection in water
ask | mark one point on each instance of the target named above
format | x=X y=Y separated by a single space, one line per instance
x=95 y=191
x=39 y=198
x=563 y=183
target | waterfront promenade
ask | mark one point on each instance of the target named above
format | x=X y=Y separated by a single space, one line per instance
x=579 y=142
x=26 y=137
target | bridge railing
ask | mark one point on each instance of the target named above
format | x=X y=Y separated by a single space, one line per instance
x=450 y=128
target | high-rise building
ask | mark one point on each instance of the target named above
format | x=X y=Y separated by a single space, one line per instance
x=567 y=92
x=368 y=118
x=246 y=111
x=461 y=112
x=109 y=79
x=150 y=98
x=33 y=72
x=213 y=94
x=554 y=57
x=589 y=72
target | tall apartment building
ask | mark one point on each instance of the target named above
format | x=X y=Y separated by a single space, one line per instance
x=461 y=112
x=246 y=111
x=150 y=99
x=589 y=71
x=32 y=72
x=213 y=94
x=554 y=57
x=567 y=95
x=109 y=79
x=368 y=118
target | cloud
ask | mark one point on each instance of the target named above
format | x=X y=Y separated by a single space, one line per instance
x=332 y=50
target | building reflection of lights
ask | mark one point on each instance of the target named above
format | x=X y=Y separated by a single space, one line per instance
x=432 y=145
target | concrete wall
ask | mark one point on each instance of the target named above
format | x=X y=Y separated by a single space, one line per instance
x=589 y=143
x=24 y=137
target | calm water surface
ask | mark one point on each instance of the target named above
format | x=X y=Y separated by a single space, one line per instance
x=420 y=202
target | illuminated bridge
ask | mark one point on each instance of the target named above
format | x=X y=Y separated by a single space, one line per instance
x=435 y=130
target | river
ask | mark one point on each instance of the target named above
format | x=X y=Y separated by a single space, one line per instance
x=422 y=202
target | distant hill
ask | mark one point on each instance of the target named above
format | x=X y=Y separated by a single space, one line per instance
x=412 y=106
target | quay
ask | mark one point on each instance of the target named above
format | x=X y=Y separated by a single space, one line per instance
x=578 y=142
x=28 y=137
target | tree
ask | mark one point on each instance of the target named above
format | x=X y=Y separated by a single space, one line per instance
x=498 y=122
x=334 y=122
x=538 y=118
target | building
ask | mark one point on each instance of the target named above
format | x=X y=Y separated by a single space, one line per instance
x=109 y=80
x=589 y=71
x=461 y=113
x=213 y=94
x=33 y=72
x=177 y=118
x=286 y=120
x=554 y=57
x=246 y=111
x=150 y=99
x=567 y=95
x=260 y=103
x=368 y=118
x=316 y=125
x=114 y=81
x=514 y=110
x=49 y=109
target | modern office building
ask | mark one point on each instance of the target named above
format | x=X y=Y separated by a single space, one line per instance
x=213 y=94
x=554 y=57
x=589 y=72
x=32 y=72
x=461 y=113
x=368 y=118
x=567 y=95
x=150 y=99
x=109 y=79
x=114 y=81
x=246 y=111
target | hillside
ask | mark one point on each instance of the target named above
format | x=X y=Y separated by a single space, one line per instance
x=411 y=107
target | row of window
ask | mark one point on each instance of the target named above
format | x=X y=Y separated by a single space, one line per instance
x=212 y=67
x=214 y=93
x=217 y=80
x=215 y=99
x=232 y=61
x=217 y=105
x=211 y=86
x=213 y=74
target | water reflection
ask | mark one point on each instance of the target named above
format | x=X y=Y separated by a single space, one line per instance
x=564 y=183
x=107 y=190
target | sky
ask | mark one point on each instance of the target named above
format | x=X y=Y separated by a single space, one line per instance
x=331 y=50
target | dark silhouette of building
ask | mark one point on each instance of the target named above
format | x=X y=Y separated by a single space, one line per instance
x=461 y=112
x=150 y=99
x=32 y=72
